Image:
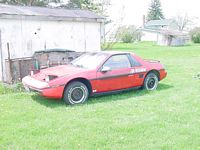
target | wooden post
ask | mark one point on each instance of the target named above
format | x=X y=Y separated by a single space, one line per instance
x=20 y=71
x=9 y=63
x=1 y=55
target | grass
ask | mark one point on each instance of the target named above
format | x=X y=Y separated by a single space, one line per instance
x=168 y=118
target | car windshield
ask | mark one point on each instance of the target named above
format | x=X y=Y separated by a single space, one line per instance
x=89 y=60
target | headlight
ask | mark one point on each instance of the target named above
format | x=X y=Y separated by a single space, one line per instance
x=32 y=73
x=50 y=77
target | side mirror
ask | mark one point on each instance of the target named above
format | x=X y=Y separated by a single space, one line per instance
x=105 y=69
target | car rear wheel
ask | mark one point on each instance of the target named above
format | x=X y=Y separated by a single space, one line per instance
x=75 y=93
x=151 y=82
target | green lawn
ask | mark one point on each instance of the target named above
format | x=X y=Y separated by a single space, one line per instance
x=168 y=118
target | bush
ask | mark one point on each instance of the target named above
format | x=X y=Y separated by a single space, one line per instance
x=195 y=35
x=6 y=89
x=128 y=34
x=127 y=38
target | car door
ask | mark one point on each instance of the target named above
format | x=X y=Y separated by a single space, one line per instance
x=115 y=74
x=138 y=70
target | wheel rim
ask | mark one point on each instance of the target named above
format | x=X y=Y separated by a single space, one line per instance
x=151 y=83
x=76 y=94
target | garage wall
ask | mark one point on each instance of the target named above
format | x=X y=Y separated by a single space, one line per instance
x=27 y=36
x=1 y=61
x=162 y=40
x=149 y=36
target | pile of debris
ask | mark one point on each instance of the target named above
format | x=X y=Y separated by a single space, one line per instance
x=42 y=59
x=54 y=57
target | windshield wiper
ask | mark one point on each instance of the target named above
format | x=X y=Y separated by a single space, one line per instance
x=76 y=65
x=80 y=66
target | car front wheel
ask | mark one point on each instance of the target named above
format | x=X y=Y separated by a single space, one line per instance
x=75 y=93
x=151 y=82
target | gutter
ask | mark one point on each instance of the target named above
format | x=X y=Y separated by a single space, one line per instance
x=50 y=17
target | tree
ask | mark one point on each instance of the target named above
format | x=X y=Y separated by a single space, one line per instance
x=112 y=33
x=183 y=22
x=195 y=35
x=103 y=6
x=74 y=4
x=29 y=2
x=97 y=6
x=100 y=7
x=128 y=34
x=155 y=11
x=81 y=4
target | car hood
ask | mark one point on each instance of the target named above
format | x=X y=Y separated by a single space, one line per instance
x=62 y=70
x=58 y=71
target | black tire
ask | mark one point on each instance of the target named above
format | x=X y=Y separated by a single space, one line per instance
x=151 y=82
x=75 y=93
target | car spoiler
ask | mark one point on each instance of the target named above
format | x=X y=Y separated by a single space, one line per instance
x=152 y=61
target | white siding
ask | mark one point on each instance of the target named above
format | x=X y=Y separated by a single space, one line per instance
x=1 y=73
x=27 y=36
x=93 y=31
x=149 y=36
x=162 y=40
x=1 y=61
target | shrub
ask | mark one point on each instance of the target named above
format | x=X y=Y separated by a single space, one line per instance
x=128 y=34
x=5 y=88
x=195 y=35
x=127 y=38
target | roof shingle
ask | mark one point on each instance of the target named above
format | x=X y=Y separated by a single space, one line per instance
x=47 y=12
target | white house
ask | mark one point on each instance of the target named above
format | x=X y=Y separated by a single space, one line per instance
x=29 y=29
x=163 y=32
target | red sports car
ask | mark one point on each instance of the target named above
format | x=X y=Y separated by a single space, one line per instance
x=96 y=73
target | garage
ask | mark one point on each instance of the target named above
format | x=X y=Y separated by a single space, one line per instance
x=24 y=30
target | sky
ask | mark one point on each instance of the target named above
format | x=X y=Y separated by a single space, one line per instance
x=133 y=10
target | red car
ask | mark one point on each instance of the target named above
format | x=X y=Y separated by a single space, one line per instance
x=96 y=73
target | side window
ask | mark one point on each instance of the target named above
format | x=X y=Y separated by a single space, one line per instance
x=134 y=62
x=118 y=62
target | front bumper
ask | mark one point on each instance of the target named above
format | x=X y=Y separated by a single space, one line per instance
x=32 y=89
x=42 y=88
